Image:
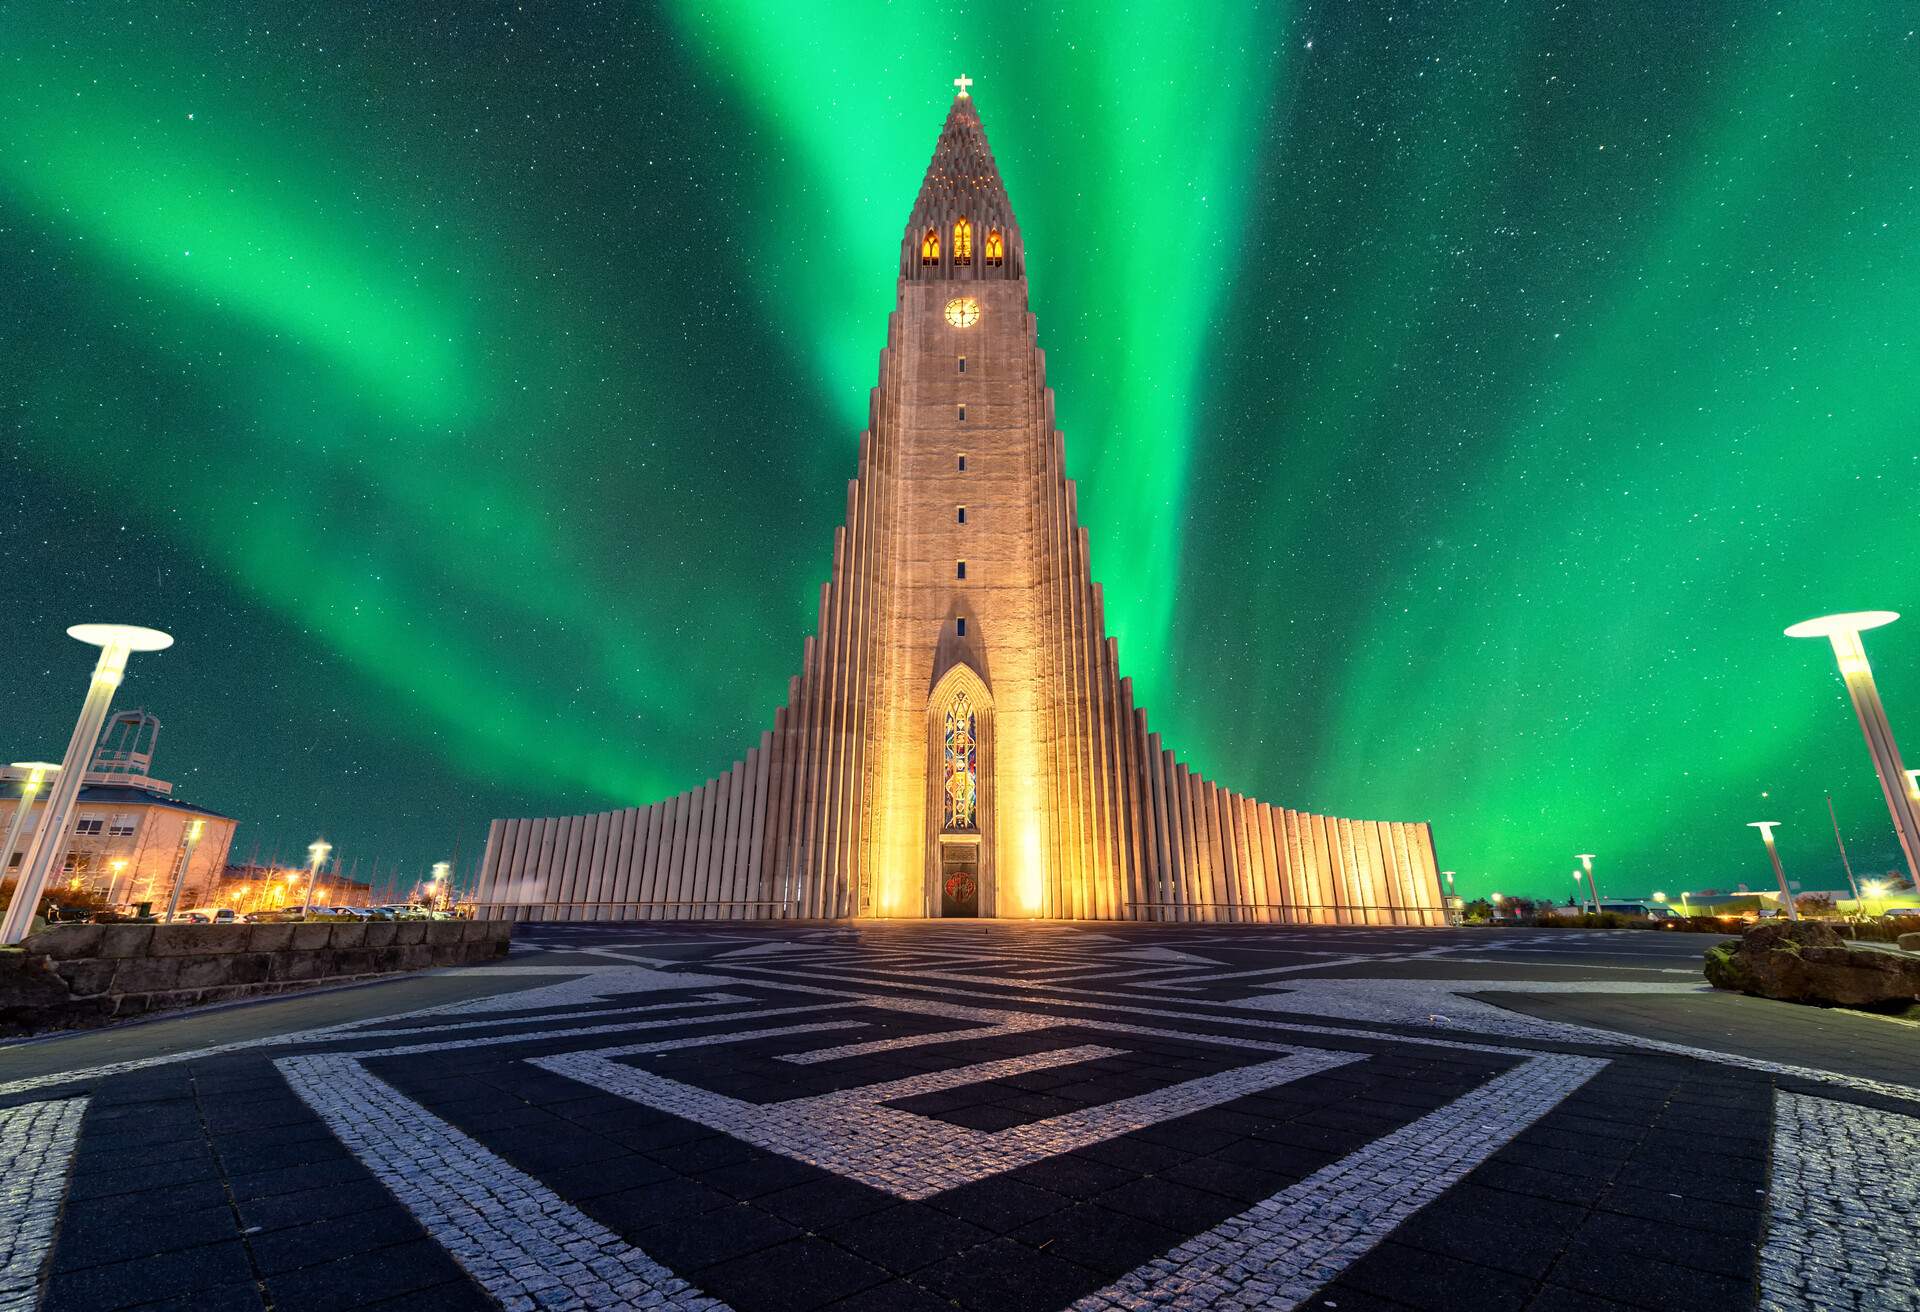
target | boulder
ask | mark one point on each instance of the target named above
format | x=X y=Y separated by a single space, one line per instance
x=1808 y=961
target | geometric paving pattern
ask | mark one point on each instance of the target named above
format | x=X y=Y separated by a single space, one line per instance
x=982 y=1117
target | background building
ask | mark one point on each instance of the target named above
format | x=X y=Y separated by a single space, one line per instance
x=128 y=829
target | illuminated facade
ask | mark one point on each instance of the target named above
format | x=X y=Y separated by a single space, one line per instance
x=960 y=740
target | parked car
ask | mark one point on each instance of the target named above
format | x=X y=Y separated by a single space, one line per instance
x=1901 y=913
x=274 y=916
x=207 y=916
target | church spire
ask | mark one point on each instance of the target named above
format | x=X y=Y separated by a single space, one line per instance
x=962 y=224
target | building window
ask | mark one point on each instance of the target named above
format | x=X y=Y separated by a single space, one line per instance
x=930 y=247
x=962 y=242
x=962 y=759
x=963 y=414
x=960 y=627
x=91 y=825
x=960 y=514
x=996 y=248
x=961 y=570
x=963 y=464
x=123 y=826
x=963 y=364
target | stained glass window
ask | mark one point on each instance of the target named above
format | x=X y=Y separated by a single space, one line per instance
x=930 y=247
x=962 y=242
x=962 y=764
x=996 y=247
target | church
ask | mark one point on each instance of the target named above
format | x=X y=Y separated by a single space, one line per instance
x=960 y=740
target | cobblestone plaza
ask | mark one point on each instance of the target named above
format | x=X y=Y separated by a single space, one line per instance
x=984 y=1117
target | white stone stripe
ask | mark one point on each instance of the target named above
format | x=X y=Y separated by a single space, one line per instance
x=1844 y=1208
x=1022 y=1025
x=1278 y=1252
x=851 y=1131
x=554 y=1018
x=36 y=1148
x=519 y=1240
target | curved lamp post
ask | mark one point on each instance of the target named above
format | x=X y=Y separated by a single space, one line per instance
x=37 y=772
x=191 y=841
x=1844 y=631
x=49 y=847
x=1766 y=828
x=316 y=857
x=1586 y=863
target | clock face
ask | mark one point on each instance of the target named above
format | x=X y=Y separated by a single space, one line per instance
x=963 y=312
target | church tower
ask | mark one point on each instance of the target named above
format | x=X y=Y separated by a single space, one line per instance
x=960 y=740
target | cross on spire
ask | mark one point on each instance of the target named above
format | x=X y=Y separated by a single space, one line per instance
x=963 y=82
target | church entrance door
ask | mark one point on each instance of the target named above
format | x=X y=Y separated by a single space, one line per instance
x=959 y=879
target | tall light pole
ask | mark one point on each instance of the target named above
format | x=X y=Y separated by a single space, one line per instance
x=1766 y=828
x=1586 y=863
x=1448 y=897
x=1840 y=843
x=1578 y=893
x=37 y=772
x=1844 y=631
x=119 y=867
x=316 y=857
x=49 y=847
x=436 y=887
x=191 y=841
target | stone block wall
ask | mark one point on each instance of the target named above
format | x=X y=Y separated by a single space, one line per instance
x=73 y=976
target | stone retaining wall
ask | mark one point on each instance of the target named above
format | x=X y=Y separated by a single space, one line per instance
x=72 y=976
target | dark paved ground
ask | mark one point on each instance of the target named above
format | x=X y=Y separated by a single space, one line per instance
x=977 y=1115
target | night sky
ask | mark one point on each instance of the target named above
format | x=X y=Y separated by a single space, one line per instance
x=1464 y=396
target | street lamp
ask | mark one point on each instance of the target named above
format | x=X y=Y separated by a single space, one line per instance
x=437 y=885
x=316 y=857
x=1660 y=898
x=1577 y=894
x=186 y=859
x=1844 y=631
x=1447 y=898
x=49 y=846
x=1586 y=861
x=1766 y=828
x=37 y=772
x=119 y=867
x=1496 y=899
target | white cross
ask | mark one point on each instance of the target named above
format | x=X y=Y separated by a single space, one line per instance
x=963 y=82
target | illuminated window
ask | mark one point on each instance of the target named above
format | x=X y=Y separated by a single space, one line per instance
x=960 y=570
x=996 y=248
x=930 y=247
x=88 y=826
x=962 y=242
x=962 y=765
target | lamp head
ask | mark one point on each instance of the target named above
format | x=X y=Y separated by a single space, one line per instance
x=1854 y=621
x=1766 y=827
x=1497 y=899
x=318 y=849
x=130 y=636
x=1660 y=897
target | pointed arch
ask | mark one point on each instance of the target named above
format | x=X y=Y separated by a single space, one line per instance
x=930 y=247
x=996 y=250
x=962 y=241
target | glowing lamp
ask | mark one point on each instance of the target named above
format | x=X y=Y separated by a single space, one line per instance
x=1897 y=785
x=48 y=849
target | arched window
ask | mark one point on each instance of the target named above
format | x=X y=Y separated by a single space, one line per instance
x=996 y=248
x=962 y=778
x=962 y=242
x=930 y=247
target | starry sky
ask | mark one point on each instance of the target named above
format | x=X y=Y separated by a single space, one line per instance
x=1463 y=395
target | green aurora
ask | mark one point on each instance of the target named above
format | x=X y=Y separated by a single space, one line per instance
x=1463 y=396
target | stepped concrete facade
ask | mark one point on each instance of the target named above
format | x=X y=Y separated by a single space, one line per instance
x=960 y=740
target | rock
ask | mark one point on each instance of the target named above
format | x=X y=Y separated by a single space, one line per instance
x=1910 y=942
x=1808 y=961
